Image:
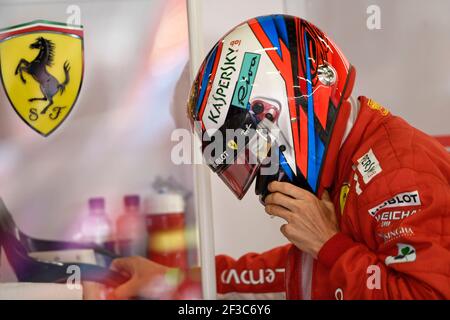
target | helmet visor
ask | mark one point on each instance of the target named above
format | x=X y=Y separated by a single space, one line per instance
x=237 y=149
x=239 y=177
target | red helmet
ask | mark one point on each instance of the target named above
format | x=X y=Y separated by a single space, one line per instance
x=274 y=72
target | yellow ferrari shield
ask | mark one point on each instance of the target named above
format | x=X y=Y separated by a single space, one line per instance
x=41 y=70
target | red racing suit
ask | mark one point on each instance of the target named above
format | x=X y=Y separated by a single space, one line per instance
x=392 y=198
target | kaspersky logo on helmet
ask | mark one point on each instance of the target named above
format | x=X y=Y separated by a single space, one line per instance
x=42 y=70
x=220 y=95
x=244 y=85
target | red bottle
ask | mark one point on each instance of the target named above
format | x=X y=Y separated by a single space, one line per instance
x=130 y=229
x=166 y=229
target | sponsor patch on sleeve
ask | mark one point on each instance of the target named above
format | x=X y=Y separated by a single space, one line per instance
x=394 y=234
x=386 y=217
x=368 y=166
x=405 y=199
x=376 y=106
x=406 y=253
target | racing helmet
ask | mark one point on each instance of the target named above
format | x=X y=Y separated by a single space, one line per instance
x=278 y=82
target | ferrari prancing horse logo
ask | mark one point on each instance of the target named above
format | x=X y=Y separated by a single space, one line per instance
x=42 y=70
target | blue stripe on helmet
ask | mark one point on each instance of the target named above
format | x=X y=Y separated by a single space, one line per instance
x=312 y=161
x=286 y=168
x=268 y=25
x=281 y=28
x=205 y=78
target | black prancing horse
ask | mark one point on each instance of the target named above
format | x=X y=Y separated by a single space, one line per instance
x=37 y=69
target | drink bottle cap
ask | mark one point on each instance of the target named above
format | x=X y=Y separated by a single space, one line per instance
x=131 y=200
x=164 y=203
x=97 y=203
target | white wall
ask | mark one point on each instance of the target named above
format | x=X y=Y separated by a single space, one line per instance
x=405 y=64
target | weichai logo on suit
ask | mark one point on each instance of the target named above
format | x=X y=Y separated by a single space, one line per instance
x=42 y=68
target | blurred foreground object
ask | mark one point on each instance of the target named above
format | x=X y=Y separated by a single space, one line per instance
x=166 y=228
x=97 y=227
x=130 y=228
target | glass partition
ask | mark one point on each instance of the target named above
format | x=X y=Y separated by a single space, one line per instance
x=100 y=183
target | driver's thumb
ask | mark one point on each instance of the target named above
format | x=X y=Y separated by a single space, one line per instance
x=123 y=265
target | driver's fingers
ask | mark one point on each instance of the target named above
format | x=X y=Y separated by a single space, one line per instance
x=326 y=196
x=125 y=265
x=128 y=290
x=291 y=190
x=279 y=211
x=326 y=200
x=280 y=199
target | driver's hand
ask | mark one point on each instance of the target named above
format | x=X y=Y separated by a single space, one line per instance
x=148 y=279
